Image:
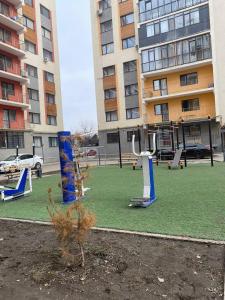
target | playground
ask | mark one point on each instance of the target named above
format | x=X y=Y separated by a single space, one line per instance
x=190 y=202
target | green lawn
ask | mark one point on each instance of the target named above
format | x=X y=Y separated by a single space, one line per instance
x=191 y=202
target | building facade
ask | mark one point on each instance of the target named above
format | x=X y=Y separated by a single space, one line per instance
x=30 y=104
x=159 y=65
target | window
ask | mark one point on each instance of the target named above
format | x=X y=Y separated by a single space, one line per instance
x=29 y=2
x=33 y=94
x=53 y=142
x=111 y=116
x=7 y=90
x=107 y=48
x=47 y=55
x=177 y=53
x=110 y=94
x=160 y=85
x=9 y=115
x=130 y=66
x=3 y=139
x=5 y=35
x=46 y=33
x=37 y=140
x=189 y=79
x=35 y=118
x=29 y=46
x=173 y=23
x=112 y=138
x=51 y=120
x=192 y=130
x=45 y=12
x=104 y=4
x=4 y=9
x=27 y=22
x=32 y=71
x=14 y=139
x=106 y=26
x=130 y=136
x=132 y=113
x=128 y=19
x=190 y=105
x=5 y=63
x=162 y=110
x=109 y=71
x=128 y=42
x=50 y=98
x=49 y=77
x=131 y=90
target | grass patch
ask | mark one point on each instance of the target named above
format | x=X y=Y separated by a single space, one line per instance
x=191 y=202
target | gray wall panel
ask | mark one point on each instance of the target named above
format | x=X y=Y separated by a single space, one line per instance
x=107 y=37
x=106 y=15
x=33 y=83
x=132 y=101
x=47 y=44
x=130 y=78
x=35 y=106
x=45 y=22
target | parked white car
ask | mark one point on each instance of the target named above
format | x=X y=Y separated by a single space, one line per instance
x=14 y=163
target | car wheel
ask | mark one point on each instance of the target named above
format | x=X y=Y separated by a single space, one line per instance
x=37 y=166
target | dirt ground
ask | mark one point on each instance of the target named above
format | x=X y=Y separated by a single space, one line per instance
x=118 y=266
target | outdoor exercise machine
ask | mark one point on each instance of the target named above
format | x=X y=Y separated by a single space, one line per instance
x=9 y=193
x=149 y=196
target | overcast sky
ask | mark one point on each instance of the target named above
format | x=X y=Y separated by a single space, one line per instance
x=77 y=78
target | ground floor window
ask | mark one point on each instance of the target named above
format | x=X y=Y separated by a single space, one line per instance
x=53 y=142
x=37 y=140
x=193 y=130
x=11 y=140
x=112 y=138
x=130 y=135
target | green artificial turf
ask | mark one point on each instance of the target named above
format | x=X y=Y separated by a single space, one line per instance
x=191 y=202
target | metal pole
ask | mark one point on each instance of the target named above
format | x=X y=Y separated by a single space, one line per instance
x=33 y=149
x=99 y=157
x=184 y=144
x=120 y=153
x=149 y=139
x=139 y=138
x=210 y=141
x=17 y=151
x=172 y=136
x=177 y=130
x=222 y=144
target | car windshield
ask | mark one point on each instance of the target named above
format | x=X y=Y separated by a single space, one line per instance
x=11 y=158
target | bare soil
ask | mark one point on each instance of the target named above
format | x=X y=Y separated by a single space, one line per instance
x=118 y=266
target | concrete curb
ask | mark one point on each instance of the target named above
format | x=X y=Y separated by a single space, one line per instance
x=144 y=234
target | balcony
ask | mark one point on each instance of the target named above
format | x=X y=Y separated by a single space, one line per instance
x=149 y=96
x=16 y=3
x=13 y=46
x=21 y=101
x=11 y=21
x=13 y=72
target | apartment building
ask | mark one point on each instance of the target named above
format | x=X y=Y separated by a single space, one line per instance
x=30 y=104
x=159 y=64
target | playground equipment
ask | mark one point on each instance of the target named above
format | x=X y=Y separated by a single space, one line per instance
x=9 y=193
x=149 y=196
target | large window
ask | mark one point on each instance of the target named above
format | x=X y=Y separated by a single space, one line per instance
x=104 y=4
x=53 y=142
x=127 y=19
x=50 y=98
x=188 y=79
x=161 y=86
x=37 y=140
x=130 y=66
x=179 y=53
x=27 y=22
x=162 y=110
x=174 y=22
x=8 y=90
x=47 y=55
x=112 y=138
x=9 y=116
x=29 y=2
x=46 y=33
x=4 y=9
x=29 y=46
x=45 y=12
x=32 y=71
x=128 y=42
x=49 y=77
x=131 y=90
x=35 y=118
x=130 y=135
x=111 y=116
x=51 y=120
x=107 y=48
x=192 y=130
x=110 y=94
x=33 y=94
x=108 y=71
x=190 y=105
x=132 y=113
x=152 y=9
x=106 y=26
x=5 y=35
x=11 y=139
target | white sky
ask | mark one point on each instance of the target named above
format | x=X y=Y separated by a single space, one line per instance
x=77 y=77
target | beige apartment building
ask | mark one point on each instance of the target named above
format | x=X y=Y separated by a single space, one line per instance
x=30 y=104
x=159 y=65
